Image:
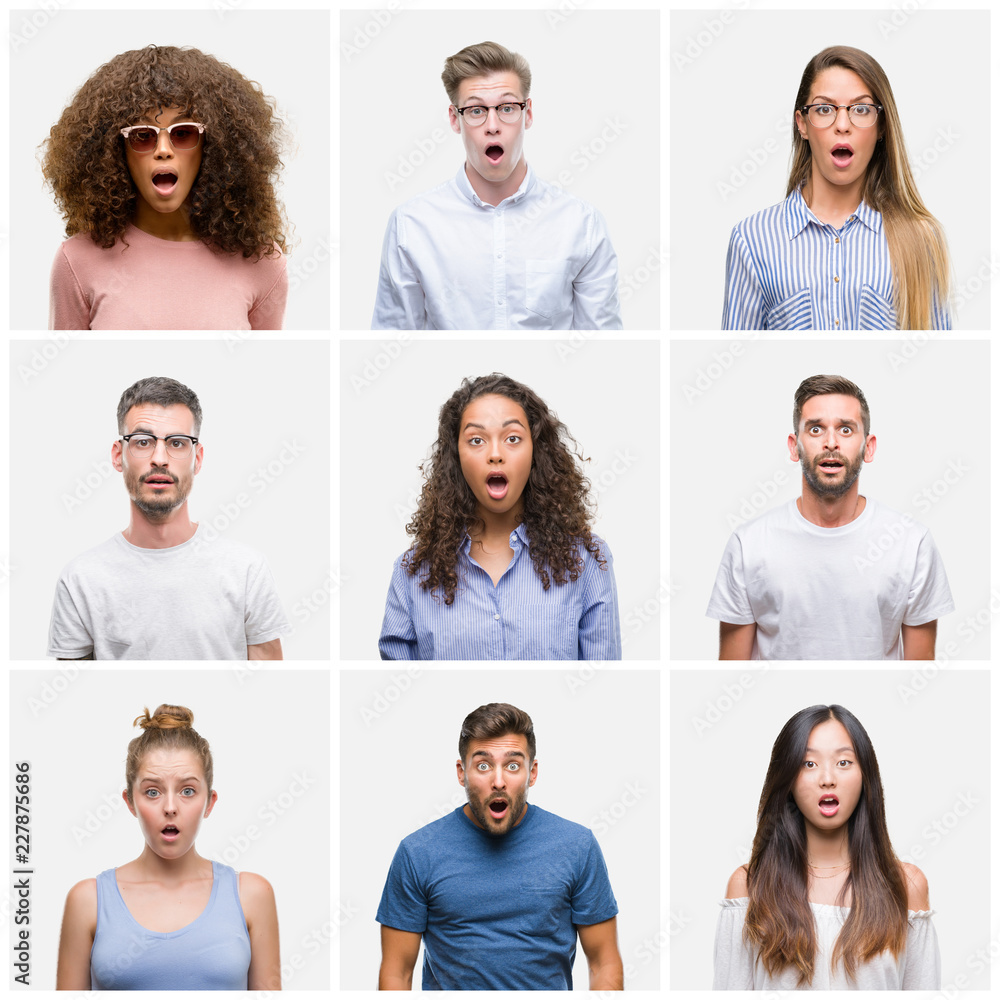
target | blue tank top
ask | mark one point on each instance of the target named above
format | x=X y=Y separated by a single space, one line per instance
x=210 y=953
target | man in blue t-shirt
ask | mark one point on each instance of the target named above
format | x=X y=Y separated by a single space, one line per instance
x=498 y=890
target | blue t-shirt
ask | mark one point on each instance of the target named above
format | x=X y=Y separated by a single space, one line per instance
x=498 y=912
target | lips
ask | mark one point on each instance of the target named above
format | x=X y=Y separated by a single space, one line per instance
x=159 y=480
x=165 y=181
x=842 y=154
x=170 y=832
x=829 y=804
x=498 y=807
x=496 y=485
x=830 y=465
x=494 y=152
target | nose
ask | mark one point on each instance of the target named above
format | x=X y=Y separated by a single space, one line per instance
x=164 y=149
x=494 y=450
x=169 y=804
x=159 y=456
x=842 y=124
x=830 y=442
x=493 y=122
x=827 y=776
x=499 y=777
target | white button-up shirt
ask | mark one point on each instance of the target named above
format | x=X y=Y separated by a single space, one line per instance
x=540 y=260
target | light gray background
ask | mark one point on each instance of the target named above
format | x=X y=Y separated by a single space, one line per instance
x=579 y=81
x=742 y=85
x=933 y=748
x=272 y=772
x=399 y=735
x=605 y=391
x=255 y=396
x=54 y=64
x=730 y=439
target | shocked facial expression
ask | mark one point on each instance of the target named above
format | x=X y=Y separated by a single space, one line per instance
x=164 y=176
x=494 y=447
x=831 y=444
x=496 y=775
x=494 y=149
x=170 y=798
x=161 y=483
x=842 y=151
x=829 y=782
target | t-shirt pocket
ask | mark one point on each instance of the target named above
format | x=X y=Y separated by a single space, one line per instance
x=793 y=313
x=875 y=311
x=548 y=287
x=544 y=909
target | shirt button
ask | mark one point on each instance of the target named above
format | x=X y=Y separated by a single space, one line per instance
x=496 y=618
x=837 y=322
x=837 y=240
x=835 y=278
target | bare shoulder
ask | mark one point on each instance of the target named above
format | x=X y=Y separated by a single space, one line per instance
x=81 y=903
x=737 y=887
x=917 y=895
x=255 y=888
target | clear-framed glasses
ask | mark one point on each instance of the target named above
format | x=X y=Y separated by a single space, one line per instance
x=182 y=135
x=509 y=113
x=142 y=445
x=824 y=115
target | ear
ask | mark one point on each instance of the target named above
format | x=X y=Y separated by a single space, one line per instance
x=116 y=456
x=528 y=114
x=800 y=124
x=461 y=772
x=454 y=119
x=212 y=799
x=131 y=808
x=869 y=447
x=199 y=454
x=533 y=773
x=793 y=447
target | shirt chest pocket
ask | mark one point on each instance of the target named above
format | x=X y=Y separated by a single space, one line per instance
x=875 y=311
x=544 y=909
x=548 y=287
x=793 y=313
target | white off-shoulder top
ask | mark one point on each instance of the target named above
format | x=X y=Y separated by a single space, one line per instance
x=917 y=968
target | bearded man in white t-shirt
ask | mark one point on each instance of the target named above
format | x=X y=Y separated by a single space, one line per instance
x=801 y=583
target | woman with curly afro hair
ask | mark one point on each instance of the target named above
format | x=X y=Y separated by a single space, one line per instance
x=163 y=167
x=504 y=565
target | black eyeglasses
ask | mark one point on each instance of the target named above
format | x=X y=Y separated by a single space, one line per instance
x=142 y=445
x=508 y=113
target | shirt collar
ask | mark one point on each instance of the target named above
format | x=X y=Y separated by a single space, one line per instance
x=466 y=189
x=798 y=215
x=518 y=540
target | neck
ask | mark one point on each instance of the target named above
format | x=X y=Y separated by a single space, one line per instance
x=830 y=512
x=151 y=867
x=496 y=527
x=175 y=529
x=172 y=226
x=494 y=192
x=831 y=202
x=827 y=848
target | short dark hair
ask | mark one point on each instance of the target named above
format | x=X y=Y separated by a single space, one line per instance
x=489 y=722
x=828 y=385
x=160 y=392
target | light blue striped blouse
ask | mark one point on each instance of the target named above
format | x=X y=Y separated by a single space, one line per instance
x=786 y=270
x=514 y=620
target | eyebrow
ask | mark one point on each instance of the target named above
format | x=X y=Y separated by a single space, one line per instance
x=482 y=100
x=482 y=427
x=832 y=100
x=189 y=778
x=486 y=753
x=838 y=750
x=839 y=420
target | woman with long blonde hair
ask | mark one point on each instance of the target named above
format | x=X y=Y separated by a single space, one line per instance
x=852 y=246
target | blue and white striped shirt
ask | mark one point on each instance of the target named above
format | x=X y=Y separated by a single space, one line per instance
x=786 y=270
x=514 y=620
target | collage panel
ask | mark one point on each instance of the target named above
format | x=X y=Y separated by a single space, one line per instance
x=751 y=258
x=496 y=902
x=243 y=171
x=248 y=569
x=395 y=394
x=899 y=759
x=207 y=878
x=912 y=549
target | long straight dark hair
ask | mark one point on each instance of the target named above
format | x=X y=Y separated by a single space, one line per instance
x=779 y=922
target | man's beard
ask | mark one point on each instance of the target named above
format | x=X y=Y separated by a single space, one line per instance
x=825 y=487
x=157 y=507
x=515 y=808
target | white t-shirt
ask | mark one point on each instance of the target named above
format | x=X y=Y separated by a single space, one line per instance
x=830 y=593
x=199 y=600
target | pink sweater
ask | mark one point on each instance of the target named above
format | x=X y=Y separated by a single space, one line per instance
x=155 y=284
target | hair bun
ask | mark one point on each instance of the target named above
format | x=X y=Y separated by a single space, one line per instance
x=165 y=717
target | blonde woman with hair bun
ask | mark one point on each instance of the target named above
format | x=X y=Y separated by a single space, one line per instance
x=170 y=919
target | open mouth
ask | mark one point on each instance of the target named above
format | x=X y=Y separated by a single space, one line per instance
x=829 y=804
x=842 y=155
x=496 y=485
x=494 y=153
x=831 y=465
x=159 y=481
x=165 y=182
x=170 y=832
x=498 y=808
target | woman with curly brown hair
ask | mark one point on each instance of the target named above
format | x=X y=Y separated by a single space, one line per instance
x=504 y=565
x=163 y=167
